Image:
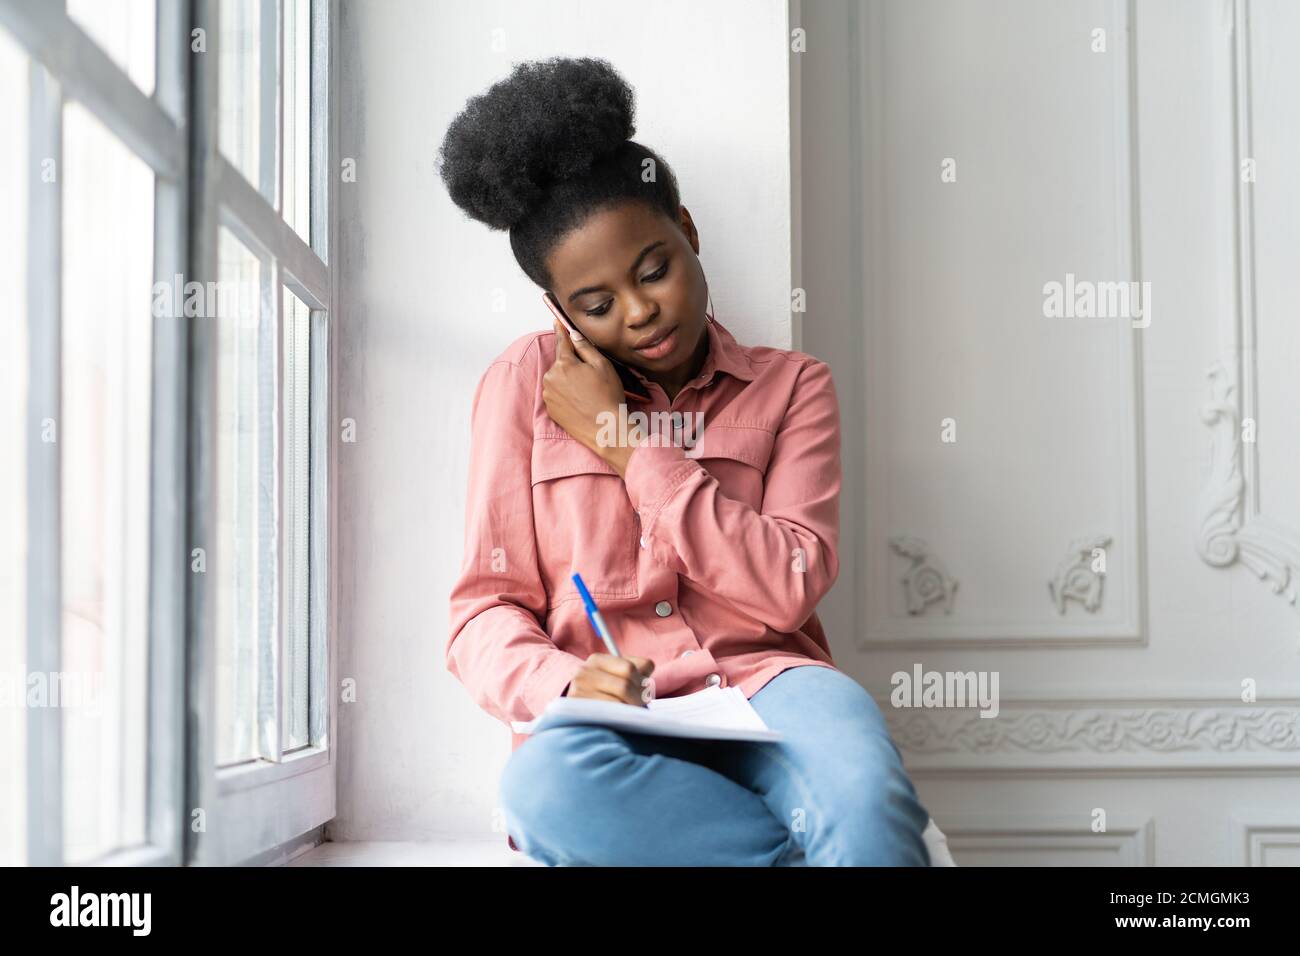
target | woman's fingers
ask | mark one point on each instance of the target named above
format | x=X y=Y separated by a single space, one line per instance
x=644 y=664
x=563 y=346
x=589 y=353
x=619 y=677
x=576 y=348
x=605 y=684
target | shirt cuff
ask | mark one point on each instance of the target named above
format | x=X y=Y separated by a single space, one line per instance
x=555 y=674
x=653 y=472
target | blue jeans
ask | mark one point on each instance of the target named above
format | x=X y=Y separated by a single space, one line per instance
x=832 y=793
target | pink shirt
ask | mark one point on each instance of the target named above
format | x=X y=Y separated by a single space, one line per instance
x=709 y=560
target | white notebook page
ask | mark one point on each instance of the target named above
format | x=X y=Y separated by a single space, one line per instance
x=712 y=713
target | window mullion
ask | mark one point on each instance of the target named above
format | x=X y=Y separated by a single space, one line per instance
x=201 y=447
x=321 y=615
x=169 y=560
x=44 y=473
x=260 y=227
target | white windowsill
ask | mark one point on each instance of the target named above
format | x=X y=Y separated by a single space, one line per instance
x=449 y=852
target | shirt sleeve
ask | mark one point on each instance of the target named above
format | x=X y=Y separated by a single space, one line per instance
x=498 y=648
x=774 y=564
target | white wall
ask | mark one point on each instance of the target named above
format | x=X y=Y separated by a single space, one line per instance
x=1117 y=165
x=416 y=327
x=925 y=299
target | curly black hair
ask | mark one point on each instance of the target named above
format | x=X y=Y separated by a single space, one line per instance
x=544 y=148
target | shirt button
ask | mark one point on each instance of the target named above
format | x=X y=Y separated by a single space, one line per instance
x=687 y=653
x=713 y=680
x=663 y=609
x=643 y=541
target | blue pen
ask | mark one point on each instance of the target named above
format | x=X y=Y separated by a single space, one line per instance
x=597 y=622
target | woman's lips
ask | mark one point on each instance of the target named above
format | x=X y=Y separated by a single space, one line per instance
x=661 y=348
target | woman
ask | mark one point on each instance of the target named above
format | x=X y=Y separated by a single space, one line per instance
x=707 y=550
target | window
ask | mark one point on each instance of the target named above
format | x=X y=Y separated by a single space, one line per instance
x=165 y=299
x=265 y=244
x=13 y=456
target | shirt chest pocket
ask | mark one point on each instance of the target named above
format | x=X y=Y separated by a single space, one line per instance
x=584 y=522
x=737 y=456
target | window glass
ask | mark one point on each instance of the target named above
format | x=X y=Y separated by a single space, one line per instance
x=296 y=498
x=239 y=85
x=240 y=532
x=297 y=116
x=124 y=29
x=102 y=432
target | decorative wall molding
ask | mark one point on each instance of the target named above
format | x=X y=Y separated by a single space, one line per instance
x=1075 y=579
x=1086 y=735
x=1057 y=839
x=926 y=581
x=1265 y=837
x=1014 y=616
x=1232 y=527
x=1101 y=731
x=1265 y=546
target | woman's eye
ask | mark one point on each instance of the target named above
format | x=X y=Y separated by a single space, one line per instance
x=652 y=277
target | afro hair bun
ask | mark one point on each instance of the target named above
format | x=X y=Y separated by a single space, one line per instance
x=549 y=121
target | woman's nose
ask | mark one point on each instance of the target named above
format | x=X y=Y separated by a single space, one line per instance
x=640 y=310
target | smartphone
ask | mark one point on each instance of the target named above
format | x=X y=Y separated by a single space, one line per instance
x=631 y=384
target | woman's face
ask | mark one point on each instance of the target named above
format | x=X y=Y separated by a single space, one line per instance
x=629 y=275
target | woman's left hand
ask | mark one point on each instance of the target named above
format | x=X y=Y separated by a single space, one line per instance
x=578 y=388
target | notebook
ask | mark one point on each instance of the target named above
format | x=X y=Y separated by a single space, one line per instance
x=711 y=714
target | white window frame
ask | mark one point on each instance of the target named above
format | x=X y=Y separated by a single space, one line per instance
x=249 y=810
x=66 y=65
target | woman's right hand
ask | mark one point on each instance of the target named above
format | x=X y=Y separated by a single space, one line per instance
x=622 y=679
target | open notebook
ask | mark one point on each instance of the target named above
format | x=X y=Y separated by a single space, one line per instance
x=712 y=714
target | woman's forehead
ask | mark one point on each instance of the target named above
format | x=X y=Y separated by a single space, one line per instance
x=608 y=241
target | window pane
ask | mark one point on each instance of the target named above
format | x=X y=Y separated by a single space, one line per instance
x=240 y=535
x=297 y=470
x=297 y=116
x=124 y=29
x=13 y=456
x=239 y=81
x=103 y=437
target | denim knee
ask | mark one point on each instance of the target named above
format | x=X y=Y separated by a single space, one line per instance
x=868 y=813
x=883 y=820
x=545 y=774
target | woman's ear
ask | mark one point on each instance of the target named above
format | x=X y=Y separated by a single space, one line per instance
x=688 y=228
